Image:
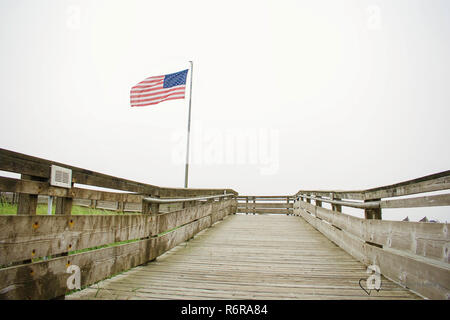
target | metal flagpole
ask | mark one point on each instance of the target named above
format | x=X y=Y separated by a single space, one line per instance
x=188 y=132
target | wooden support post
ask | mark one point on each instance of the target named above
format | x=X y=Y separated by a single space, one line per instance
x=93 y=204
x=246 y=205
x=318 y=202
x=27 y=203
x=287 y=201
x=63 y=205
x=254 y=205
x=335 y=207
x=120 y=206
x=372 y=213
x=146 y=209
x=154 y=207
x=308 y=199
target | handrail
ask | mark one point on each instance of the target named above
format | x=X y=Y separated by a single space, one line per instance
x=353 y=204
x=434 y=182
x=175 y=200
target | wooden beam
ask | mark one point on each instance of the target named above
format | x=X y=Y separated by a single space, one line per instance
x=427 y=201
x=27 y=202
x=26 y=237
x=428 y=279
x=372 y=213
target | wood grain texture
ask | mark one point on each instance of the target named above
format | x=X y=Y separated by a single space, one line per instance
x=47 y=279
x=21 y=163
x=26 y=237
x=247 y=257
x=430 y=240
x=434 y=182
x=264 y=211
x=265 y=205
x=431 y=280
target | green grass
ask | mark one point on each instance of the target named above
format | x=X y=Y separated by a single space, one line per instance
x=11 y=209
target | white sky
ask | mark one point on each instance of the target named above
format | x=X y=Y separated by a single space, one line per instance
x=343 y=94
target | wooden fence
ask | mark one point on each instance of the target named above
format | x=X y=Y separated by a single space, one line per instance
x=413 y=254
x=37 y=250
x=265 y=204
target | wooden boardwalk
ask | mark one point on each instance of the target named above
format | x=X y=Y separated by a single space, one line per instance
x=248 y=257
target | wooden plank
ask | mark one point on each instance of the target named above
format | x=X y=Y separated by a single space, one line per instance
x=182 y=234
x=27 y=203
x=266 y=205
x=44 y=188
x=372 y=213
x=430 y=240
x=20 y=163
x=179 y=192
x=429 y=280
x=63 y=206
x=263 y=211
x=246 y=257
x=48 y=279
x=26 y=237
x=265 y=197
x=434 y=182
x=427 y=201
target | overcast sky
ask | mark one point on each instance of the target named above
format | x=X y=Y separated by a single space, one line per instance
x=287 y=95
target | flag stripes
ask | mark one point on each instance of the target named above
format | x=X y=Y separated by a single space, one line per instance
x=157 y=89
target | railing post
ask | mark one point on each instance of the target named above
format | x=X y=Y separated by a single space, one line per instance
x=335 y=207
x=318 y=202
x=254 y=205
x=372 y=213
x=308 y=199
x=120 y=206
x=287 y=207
x=63 y=205
x=246 y=205
x=27 y=203
x=150 y=207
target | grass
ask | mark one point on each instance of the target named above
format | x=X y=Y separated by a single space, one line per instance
x=11 y=209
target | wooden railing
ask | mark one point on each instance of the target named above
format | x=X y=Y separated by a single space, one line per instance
x=413 y=254
x=265 y=204
x=37 y=250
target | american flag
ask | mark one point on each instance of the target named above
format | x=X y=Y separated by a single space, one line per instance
x=157 y=89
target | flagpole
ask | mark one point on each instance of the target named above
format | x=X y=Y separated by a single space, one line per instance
x=186 y=171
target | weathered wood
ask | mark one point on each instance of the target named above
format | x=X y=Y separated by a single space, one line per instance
x=20 y=163
x=263 y=211
x=372 y=213
x=434 y=182
x=427 y=201
x=174 y=219
x=44 y=188
x=63 y=206
x=23 y=237
x=265 y=205
x=47 y=279
x=246 y=257
x=27 y=203
x=430 y=240
x=428 y=279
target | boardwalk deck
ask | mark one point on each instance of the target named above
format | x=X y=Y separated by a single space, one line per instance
x=248 y=257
